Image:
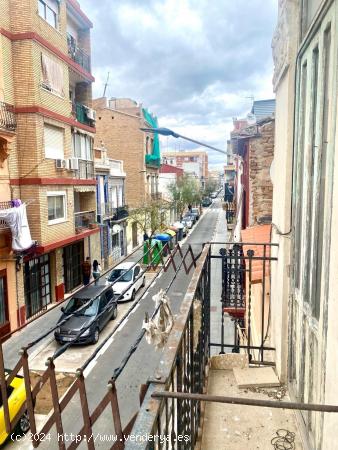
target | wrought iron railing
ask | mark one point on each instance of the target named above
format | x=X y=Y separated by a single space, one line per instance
x=7 y=117
x=86 y=170
x=78 y=55
x=3 y=222
x=120 y=213
x=84 y=220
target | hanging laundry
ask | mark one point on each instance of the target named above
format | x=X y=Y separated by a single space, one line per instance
x=16 y=219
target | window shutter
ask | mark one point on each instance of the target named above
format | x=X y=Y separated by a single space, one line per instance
x=53 y=142
x=52 y=74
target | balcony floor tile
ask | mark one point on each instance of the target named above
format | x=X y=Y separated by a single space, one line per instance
x=238 y=427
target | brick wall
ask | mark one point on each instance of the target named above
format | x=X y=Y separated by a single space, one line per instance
x=121 y=136
x=260 y=159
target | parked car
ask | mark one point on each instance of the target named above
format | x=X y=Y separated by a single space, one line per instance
x=16 y=394
x=191 y=217
x=206 y=202
x=86 y=306
x=195 y=212
x=188 y=222
x=129 y=281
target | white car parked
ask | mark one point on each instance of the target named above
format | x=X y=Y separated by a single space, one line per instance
x=127 y=273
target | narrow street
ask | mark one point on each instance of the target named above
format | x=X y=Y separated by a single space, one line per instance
x=145 y=360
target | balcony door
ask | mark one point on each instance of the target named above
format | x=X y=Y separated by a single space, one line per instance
x=312 y=193
x=72 y=265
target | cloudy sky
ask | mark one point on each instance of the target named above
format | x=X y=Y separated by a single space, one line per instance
x=195 y=64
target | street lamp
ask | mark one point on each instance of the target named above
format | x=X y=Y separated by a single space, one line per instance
x=168 y=132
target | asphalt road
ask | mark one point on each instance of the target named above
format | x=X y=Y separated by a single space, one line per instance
x=143 y=362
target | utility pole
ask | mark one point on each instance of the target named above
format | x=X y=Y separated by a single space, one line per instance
x=105 y=86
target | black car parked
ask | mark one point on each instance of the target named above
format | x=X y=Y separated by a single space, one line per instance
x=86 y=306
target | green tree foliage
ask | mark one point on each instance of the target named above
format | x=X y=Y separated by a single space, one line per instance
x=210 y=186
x=151 y=216
x=184 y=192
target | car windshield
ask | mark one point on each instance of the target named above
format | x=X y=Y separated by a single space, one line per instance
x=76 y=303
x=125 y=274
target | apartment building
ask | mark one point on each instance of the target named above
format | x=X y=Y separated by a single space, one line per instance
x=118 y=130
x=305 y=212
x=195 y=163
x=252 y=150
x=46 y=77
x=112 y=211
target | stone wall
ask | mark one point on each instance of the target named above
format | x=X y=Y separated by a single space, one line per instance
x=260 y=159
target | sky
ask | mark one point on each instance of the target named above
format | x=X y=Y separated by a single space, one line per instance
x=195 y=64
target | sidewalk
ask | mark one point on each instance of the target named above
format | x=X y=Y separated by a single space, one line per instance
x=221 y=235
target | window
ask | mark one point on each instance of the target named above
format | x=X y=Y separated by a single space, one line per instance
x=54 y=141
x=3 y=301
x=56 y=207
x=82 y=146
x=52 y=75
x=48 y=10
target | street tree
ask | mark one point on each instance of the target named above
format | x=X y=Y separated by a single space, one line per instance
x=210 y=186
x=185 y=192
x=151 y=216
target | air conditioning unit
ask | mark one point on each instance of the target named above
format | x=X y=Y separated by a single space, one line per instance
x=60 y=163
x=74 y=163
x=91 y=114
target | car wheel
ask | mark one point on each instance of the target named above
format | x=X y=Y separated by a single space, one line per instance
x=96 y=336
x=114 y=315
x=133 y=295
x=23 y=425
x=143 y=282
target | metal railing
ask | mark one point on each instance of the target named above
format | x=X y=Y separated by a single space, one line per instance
x=120 y=213
x=183 y=370
x=78 y=55
x=84 y=427
x=84 y=220
x=86 y=170
x=80 y=111
x=3 y=222
x=7 y=116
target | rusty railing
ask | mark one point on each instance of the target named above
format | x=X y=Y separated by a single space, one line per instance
x=84 y=431
x=7 y=116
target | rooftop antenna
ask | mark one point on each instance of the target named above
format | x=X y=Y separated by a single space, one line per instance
x=105 y=86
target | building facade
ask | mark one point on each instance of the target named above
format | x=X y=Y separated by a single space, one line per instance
x=112 y=211
x=251 y=151
x=118 y=129
x=46 y=76
x=194 y=163
x=305 y=213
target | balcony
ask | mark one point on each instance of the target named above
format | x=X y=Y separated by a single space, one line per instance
x=3 y=223
x=81 y=113
x=84 y=220
x=7 y=117
x=86 y=170
x=78 y=55
x=120 y=213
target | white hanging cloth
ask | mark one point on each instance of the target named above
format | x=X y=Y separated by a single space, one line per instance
x=16 y=219
x=158 y=328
